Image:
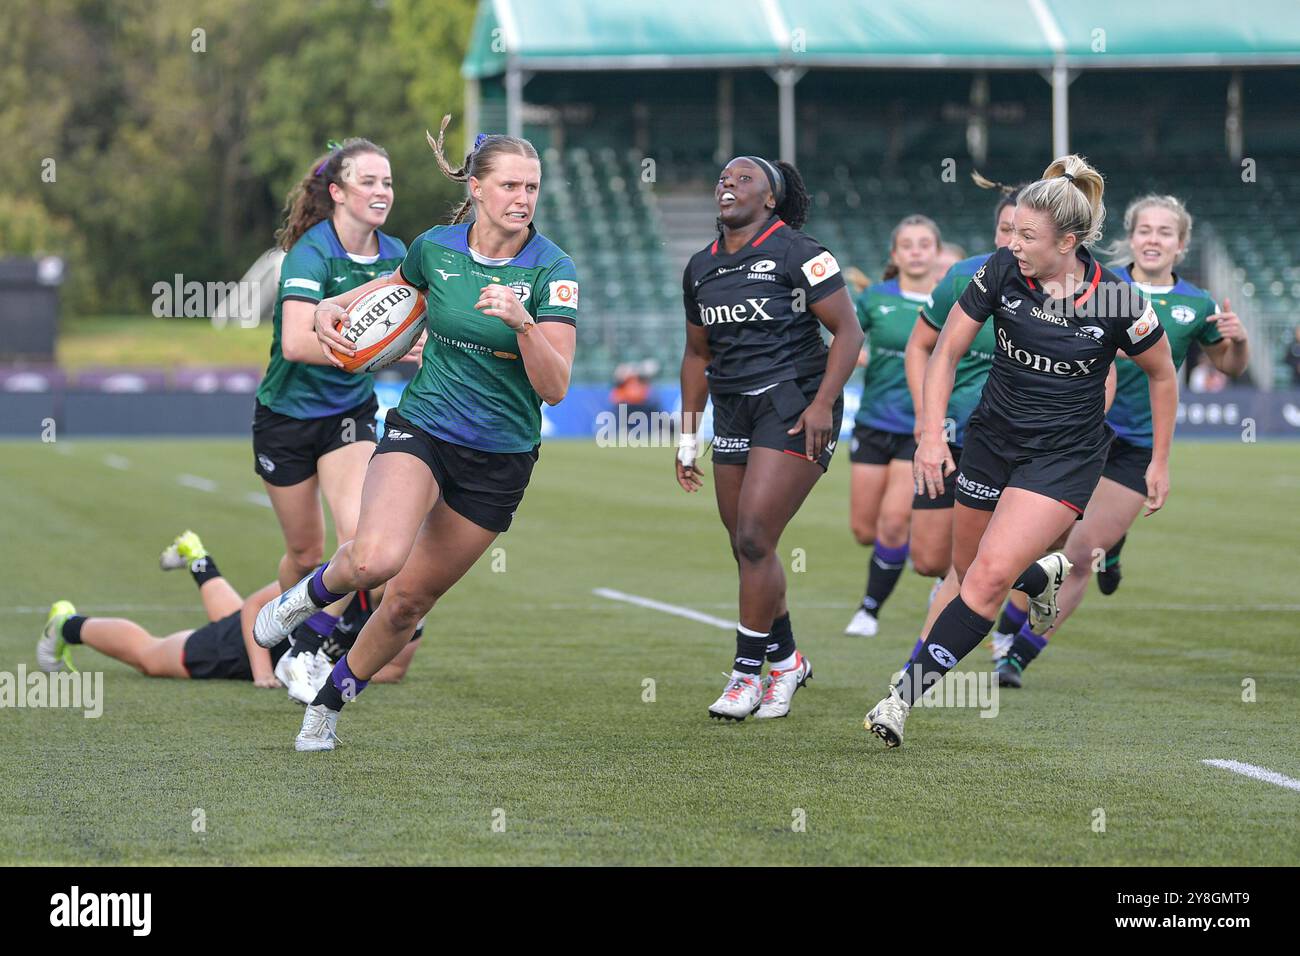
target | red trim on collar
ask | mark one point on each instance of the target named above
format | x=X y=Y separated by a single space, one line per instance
x=1092 y=286
x=767 y=232
x=714 y=250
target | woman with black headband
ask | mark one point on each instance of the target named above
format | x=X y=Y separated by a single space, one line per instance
x=314 y=424
x=754 y=298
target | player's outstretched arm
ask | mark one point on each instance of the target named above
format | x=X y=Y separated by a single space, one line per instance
x=259 y=658
x=916 y=355
x=1162 y=381
x=695 y=394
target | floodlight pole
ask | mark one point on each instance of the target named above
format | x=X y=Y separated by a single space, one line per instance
x=786 y=77
x=515 y=80
x=1061 y=78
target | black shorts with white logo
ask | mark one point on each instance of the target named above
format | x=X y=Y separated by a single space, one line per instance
x=216 y=651
x=741 y=422
x=484 y=486
x=1126 y=464
x=872 y=446
x=924 y=502
x=990 y=462
x=285 y=450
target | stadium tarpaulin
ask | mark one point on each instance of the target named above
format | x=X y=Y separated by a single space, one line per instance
x=534 y=35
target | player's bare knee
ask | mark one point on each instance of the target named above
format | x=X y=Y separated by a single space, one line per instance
x=864 y=533
x=985 y=583
x=404 y=611
x=752 y=545
x=929 y=565
x=892 y=532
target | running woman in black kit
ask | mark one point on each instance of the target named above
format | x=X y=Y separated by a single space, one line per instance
x=754 y=298
x=1038 y=440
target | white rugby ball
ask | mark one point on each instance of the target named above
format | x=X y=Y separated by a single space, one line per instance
x=382 y=326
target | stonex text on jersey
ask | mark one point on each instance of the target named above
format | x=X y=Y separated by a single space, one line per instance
x=756 y=305
x=1047 y=384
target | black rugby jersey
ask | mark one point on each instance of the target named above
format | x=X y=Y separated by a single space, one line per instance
x=747 y=301
x=1047 y=388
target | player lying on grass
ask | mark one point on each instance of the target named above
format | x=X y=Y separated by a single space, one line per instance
x=222 y=649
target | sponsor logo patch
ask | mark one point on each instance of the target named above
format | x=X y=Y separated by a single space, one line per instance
x=820 y=268
x=1144 y=326
x=722 y=443
x=977 y=489
x=945 y=657
x=296 y=283
x=564 y=292
x=268 y=466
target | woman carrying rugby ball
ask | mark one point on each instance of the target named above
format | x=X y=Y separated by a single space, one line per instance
x=459 y=449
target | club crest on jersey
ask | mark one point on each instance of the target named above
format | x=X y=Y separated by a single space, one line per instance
x=766 y=265
x=762 y=271
x=522 y=291
x=1183 y=315
x=563 y=292
x=820 y=268
x=1091 y=331
x=1143 y=326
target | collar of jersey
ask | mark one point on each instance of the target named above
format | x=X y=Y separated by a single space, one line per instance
x=1091 y=268
x=1150 y=289
x=459 y=234
x=772 y=226
x=360 y=260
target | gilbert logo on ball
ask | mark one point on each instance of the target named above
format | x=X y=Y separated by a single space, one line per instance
x=382 y=325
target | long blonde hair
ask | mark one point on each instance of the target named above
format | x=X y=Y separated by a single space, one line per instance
x=1070 y=193
x=479 y=161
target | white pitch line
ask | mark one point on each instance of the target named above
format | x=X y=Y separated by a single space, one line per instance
x=665 y=608
x=100 y=609
x=197 y=483
x=117 y=461
x=1255 y=773
x=258 y=498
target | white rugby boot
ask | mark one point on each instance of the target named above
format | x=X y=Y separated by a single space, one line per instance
x=864 y=623
x=282 y=668
x=321 y=668
x=299 y=672
x=317 y=729
x=742 y=696
x=1043 y=610
x=887 y=718
x=53 y=653
x=279 y=618
x=781 y=686
x=1001 y=645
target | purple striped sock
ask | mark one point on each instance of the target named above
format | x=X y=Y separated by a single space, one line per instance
x=1038 y=640
x=320 y=594
x=1015 y=617
x=890 y=556
x=916 y=649
x=347 y=683
x=322 y=623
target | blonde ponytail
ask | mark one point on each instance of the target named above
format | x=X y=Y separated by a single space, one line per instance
x=1070 y=192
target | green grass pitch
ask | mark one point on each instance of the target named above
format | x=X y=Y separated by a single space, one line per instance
x=525 y=708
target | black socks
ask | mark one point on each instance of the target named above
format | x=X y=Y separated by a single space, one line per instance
x=957 y=631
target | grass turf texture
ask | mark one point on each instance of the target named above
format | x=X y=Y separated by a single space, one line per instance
x=527 y=693
x=142 y=341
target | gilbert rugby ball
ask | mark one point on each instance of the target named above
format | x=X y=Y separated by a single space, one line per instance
x=382 y=326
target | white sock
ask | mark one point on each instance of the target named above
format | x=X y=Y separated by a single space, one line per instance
x=786 y=665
